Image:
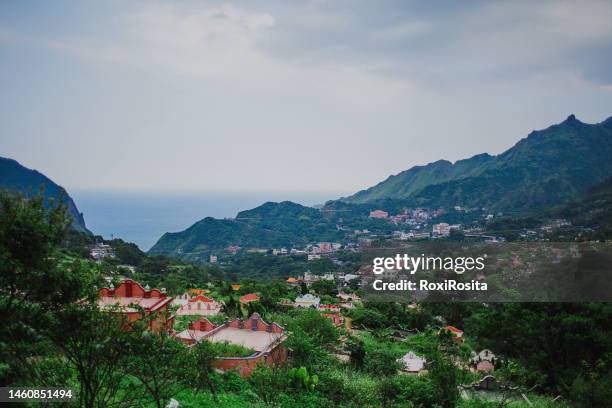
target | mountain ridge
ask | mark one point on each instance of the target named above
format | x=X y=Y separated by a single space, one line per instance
x=546 y=168
x=16 y=177
x=457 y=181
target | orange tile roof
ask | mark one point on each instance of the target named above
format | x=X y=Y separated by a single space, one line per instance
x=201 y=298
x=454 y=330
x=251 y=297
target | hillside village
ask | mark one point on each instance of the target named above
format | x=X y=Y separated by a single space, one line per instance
x=274 y=307
x=262 y=341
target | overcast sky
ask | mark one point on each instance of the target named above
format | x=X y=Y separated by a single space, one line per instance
x=326 y=96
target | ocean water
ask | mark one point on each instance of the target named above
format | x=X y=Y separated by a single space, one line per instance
x=143 y=217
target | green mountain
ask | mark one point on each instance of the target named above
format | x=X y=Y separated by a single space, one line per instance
x=269 y=225
x=549 y=168
x=543 y=169
x=592 y=210
x=15 y=177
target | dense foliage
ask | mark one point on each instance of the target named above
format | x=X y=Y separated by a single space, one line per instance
x=52 y=334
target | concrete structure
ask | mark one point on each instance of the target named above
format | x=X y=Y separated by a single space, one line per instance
x=484 y=355
x=196 y=331
x=307 y=300
x=181 y=300
x=101 y=251
x=349 y=297
x=485 y=367
x=440 y=230
x=200 y=305
x=265 y=339
x=134 y=302
x=411 y=363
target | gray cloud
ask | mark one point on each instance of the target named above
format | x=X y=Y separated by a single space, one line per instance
x=320 y=95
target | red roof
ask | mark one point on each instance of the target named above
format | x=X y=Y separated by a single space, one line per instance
x=200 y=298
x=335 y=318
x=251 y=297
x=130 y=294
x=454 y=330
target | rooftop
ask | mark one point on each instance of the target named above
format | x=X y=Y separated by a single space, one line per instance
x=132 y=304
x=257 y=340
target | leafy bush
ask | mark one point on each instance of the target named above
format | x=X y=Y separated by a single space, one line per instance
x=381 y=361
x=226 y=349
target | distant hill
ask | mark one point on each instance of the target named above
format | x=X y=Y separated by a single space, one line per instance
x=543 y=169
x=549 y=168
x=592 y=210
x=15 y=177
x=269 y=225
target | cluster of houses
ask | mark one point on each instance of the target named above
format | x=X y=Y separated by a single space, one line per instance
x=482 y=362
x=410 y=216
x=444 y=229
x=418 y=220
x=330 y=311
x=135 y=302
x=313 y=251
x=308 y=279
x=101 y=250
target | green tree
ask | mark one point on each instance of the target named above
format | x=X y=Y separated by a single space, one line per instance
x=357 y=351
x=96 y=345
x=155 y=361
x=268 y=382
x=199 y=371
x=35 y=285
x=381 y=361
x=444 y=376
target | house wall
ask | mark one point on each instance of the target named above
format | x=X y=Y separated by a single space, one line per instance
x=246 y=365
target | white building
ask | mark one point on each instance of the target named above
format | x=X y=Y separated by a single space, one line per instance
x=441 y=230
x=411 y=363
x=349 y=277
x=350 y=297
x=181 y=299
x=101 y=251
x=307 y=300
x=484 y=355
x=200 y=306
